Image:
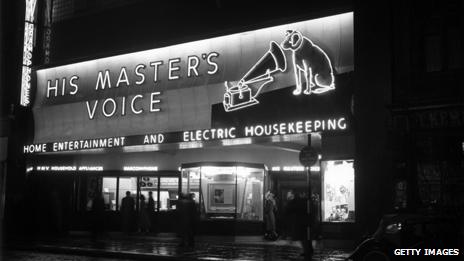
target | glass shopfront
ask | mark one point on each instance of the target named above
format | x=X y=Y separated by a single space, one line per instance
x=163 y=187
x=109 y=192
x=149 y=185
x=226 y=190
x=338 y=194
x=106 y=147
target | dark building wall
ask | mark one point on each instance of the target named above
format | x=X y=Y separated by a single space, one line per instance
x=372 y=97
x=428 y=104
x=10 y=31
x=3 y=123
x=149 y=24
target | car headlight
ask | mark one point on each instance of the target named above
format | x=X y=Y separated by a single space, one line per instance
x=393 y=228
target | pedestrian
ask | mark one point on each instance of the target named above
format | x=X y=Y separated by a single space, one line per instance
x=144 y=221
x=98 y=211
x=151 y=202
x=127 y=212
x=270 y=209
x=287 y=216
x=150 y=210
x=186 y=216
x=298 y=216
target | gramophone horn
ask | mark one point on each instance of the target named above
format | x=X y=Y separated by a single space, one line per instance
x=272 y=61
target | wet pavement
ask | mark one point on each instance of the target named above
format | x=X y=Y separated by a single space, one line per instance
x=159 y=247
x=40 y=256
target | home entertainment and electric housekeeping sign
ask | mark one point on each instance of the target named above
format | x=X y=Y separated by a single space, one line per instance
x=179 y=88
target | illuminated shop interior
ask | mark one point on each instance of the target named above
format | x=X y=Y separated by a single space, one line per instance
x=226 y=190
x=164 y=190
x=338 y=194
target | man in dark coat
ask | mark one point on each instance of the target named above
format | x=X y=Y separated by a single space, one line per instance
x=150 y=210
x=187 y=216
x=299 y=218
x=98 y=212
x=127 y=212
x=151 y=202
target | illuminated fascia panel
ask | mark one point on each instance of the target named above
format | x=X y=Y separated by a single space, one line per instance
x=140 y=168
x=63 y=168
x=90 y=168
x=139 y=148
x=293 y=137
x=315 y=168
x=213 y=170
x=293 y=168
x=275 y=168
x=240 y=141
x=191 y=145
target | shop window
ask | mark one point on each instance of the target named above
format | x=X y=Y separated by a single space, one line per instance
x=226 y=191
x=147 y=185
x=94 y=186
x=218 y=192
x=191 y=182
x=250 y=193
x=127 y=184
x=109 y=186
x=338 y=195
x=168 y=193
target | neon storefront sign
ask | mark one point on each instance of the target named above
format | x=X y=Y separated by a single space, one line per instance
x=28 y=47
x=311 y=65
x=195 y=138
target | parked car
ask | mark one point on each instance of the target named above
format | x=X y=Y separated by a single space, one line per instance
x=408 y=231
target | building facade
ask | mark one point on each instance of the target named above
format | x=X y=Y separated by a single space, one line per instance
x=146 y=97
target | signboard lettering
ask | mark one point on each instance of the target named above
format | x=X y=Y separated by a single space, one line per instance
x=230 y=134
x=174 y=88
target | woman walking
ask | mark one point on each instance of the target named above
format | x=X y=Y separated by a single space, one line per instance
x=270 y=209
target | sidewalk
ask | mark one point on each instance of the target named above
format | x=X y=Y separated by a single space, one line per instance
x=165 y=247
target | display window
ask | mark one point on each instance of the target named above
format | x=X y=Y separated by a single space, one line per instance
x=168 y=193
x=93 y=187
x=149 y=185
x=218 y=191
x=338 y=191
x=127 y=184
x=226 y=191
x=250 y=182
x=191 y=182
x=109 y=185
x=163 y=190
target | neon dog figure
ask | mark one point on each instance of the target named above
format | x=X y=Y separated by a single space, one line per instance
x=312 y=61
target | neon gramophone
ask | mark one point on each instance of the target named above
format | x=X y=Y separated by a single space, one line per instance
x=244 y=93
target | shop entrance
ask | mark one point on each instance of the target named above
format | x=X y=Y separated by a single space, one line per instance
x=229 y=195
